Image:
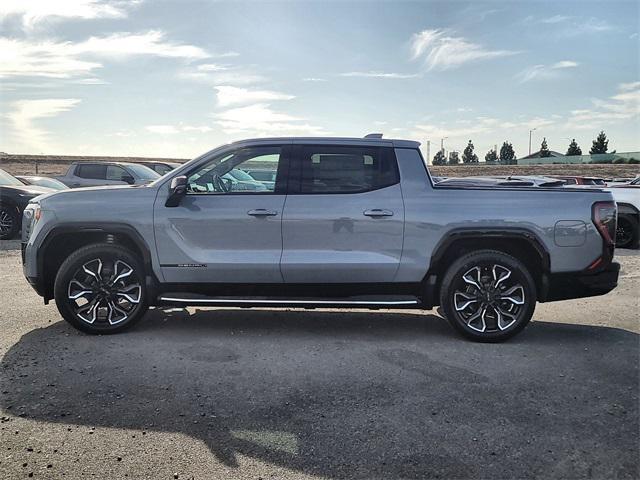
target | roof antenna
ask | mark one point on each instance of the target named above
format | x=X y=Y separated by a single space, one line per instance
x=373 y=135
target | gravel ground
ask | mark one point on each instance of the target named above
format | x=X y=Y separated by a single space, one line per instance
x=281 y=394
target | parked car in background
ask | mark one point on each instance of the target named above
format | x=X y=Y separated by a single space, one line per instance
x=14 y=197
x=160 y=167
x=350 y=223
x=42 y=182
x=627 y=198
x=578 y=180
x=509 y=181
x=92 y=174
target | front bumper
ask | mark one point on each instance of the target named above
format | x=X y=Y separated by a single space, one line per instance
x=564 y=286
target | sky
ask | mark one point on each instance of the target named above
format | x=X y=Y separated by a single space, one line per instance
x=165 y=78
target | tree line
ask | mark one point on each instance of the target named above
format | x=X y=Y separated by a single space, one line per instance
x=507 y=155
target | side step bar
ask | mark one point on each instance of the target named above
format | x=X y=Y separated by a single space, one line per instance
x=362 y=301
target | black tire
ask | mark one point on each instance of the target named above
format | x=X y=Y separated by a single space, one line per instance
x=110 y=307
x=487 y=268
x=9 y=222
x=627 y=232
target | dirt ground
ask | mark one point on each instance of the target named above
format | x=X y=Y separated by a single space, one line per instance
x=289 y=394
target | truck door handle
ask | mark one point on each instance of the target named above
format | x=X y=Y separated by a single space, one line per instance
x=377 y=212
x=262 y=212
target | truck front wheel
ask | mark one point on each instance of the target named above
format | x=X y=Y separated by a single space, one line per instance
x=488 y=296
x=100 y=289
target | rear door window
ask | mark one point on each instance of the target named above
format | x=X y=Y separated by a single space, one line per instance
x=345 y=169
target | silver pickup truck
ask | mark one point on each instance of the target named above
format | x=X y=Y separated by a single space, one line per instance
x=348 y=223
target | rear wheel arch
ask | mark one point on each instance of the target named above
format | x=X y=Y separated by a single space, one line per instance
x=522 y=244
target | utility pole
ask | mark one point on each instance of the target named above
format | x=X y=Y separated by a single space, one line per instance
x=428 y=151
x=442 y=143
x=530 y=132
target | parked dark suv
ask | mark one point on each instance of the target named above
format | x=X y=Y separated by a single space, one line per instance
x=14 y=197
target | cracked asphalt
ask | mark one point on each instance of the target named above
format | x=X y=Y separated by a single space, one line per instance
x=230 y=393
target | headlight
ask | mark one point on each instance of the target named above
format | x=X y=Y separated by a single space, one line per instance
x=30 y=217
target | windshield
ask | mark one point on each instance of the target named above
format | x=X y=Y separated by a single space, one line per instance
x=9 y=180
x=47 y=182
x=142 y=172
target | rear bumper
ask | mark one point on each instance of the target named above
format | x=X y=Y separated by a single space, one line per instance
x=564 y=286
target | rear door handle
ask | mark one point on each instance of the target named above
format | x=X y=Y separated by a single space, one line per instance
x=262 y=212
x=377 y=212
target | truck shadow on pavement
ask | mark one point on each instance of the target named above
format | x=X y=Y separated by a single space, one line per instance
x=347 y=394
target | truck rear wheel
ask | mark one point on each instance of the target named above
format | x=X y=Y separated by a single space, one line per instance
x=488 y=296
x=100 y=289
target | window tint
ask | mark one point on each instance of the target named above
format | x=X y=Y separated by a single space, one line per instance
x=227 y=173
x=92 y=170
x=117 y=173
x=329 y=169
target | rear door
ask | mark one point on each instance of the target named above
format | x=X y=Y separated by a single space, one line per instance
x=344 y=215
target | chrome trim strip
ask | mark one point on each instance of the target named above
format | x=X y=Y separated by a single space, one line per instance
x=295 y=302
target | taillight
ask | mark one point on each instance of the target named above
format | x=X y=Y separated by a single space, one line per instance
x=604 y=216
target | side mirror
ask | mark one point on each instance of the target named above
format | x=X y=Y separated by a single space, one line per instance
x=177 y=190
x=128 y=179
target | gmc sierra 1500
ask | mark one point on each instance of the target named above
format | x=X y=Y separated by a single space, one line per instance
x=348 y=223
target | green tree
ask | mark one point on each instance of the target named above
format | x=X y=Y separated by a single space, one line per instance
x=439 y=158
x=600 y=144
x=468 y=156
x=507 y=154
x=574 y=149
x=544 y=149
x=491 y=156
x=453 y=158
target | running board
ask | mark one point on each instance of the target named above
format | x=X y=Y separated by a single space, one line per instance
x=361 y=301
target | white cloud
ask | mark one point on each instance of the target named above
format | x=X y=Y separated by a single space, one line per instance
x=23 y=115
x=173 y=129
x=556 y=19
x=67 y=59
x=441 y=50
x=622 y=106
x=261 y=120
x=544 y=72
x=565 y=64
x=228 y=95
x=32 y=12
x=314 y=79
x=372 y=74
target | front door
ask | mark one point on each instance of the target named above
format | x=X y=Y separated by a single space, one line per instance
x=344 y=216
x=227 y=229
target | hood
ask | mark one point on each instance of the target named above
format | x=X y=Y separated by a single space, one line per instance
x=28 y=189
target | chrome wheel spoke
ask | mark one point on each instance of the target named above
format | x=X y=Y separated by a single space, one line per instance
x=96 y=272
x=500 y=274
x=131 y=293
x=514 y=295
x=120 y=270
x=505 y=319
x=469 y=277
x=79 y=292
x=462 y=300
x=479 y=315
x=116 y=314
x=89 y=312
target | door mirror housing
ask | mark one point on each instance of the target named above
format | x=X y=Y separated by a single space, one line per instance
x=177 y=190
x=128 y=179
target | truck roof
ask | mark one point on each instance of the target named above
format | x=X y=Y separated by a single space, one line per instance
x=367 y=141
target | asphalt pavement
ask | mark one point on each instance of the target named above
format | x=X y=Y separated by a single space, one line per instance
x=230 y=393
